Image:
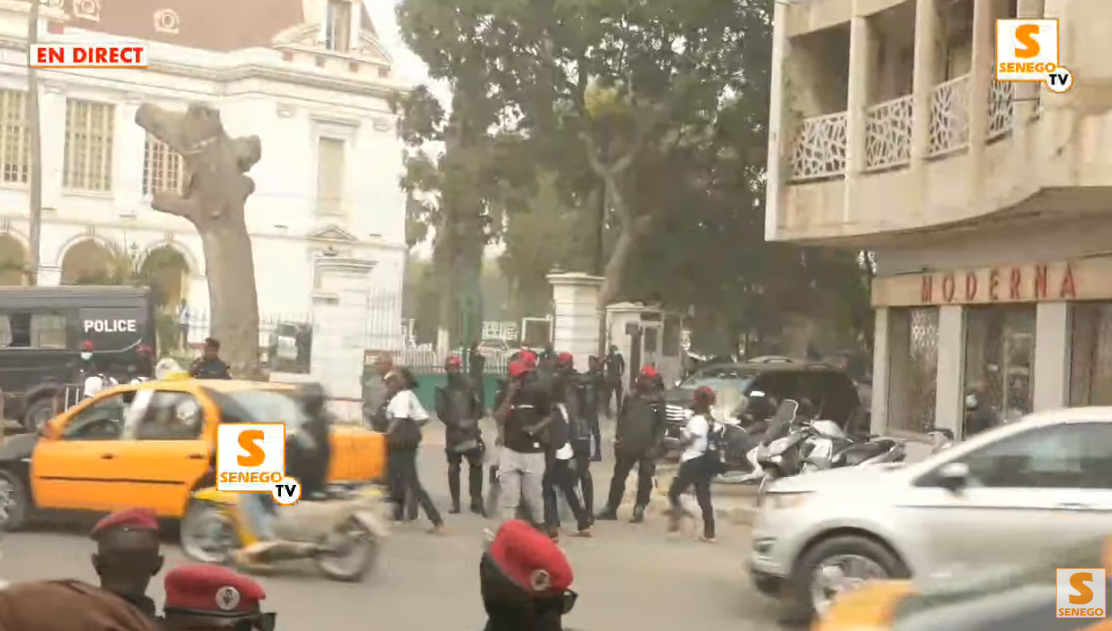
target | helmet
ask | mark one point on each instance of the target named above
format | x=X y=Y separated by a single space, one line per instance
x=312 y=396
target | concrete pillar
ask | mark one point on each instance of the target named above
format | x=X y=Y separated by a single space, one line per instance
x=881 y=371
x=980 y=79
x=777 y=135
x=924 y=78
x=861 y=55
x=575 y=325
x=950 y=386
x=1052 y=356
x=49 y=276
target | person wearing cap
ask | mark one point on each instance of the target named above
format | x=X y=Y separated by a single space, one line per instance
x=211 y=597
x=640 y=432
x=525 y=581
x=695 y=468
x=522 y=418
x=459 y=407
x=128 y=555
x=209 y=365
x=560 y=472
x=68 y=605
x=403 y=438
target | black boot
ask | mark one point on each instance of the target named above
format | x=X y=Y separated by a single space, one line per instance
x=453 y=489
x=475 y=490
x=638 y=515
x=607 y=514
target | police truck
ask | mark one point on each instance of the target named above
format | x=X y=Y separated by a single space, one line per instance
x=43 y=331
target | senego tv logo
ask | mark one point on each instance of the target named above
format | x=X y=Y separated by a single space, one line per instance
x=1080 y=593
x=251 y=458
x=1027 y=51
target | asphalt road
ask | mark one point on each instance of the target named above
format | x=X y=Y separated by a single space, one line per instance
x=629 y=577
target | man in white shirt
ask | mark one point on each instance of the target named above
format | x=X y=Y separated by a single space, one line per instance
x=695 y=466
x=184 y=316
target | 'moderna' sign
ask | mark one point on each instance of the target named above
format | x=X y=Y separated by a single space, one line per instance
x=999 y=284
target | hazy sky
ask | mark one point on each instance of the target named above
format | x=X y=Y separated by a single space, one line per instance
x=407 y=65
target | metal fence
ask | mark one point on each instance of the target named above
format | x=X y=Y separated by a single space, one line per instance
x=286 y=340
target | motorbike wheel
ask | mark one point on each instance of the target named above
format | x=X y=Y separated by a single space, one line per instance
x=208 y=534
x=350 y=553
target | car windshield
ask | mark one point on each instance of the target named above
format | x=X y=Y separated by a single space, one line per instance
x=718 y=377
x=261 y=406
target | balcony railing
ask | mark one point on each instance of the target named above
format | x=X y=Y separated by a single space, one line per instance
x=820 y=148
x=949 y=128
x=888 y=134
x=1001 y=109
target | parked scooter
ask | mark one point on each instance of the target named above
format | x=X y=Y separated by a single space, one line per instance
x=342 y=534
x=828 y=447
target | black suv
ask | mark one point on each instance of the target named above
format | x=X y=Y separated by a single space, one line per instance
x=830 y=390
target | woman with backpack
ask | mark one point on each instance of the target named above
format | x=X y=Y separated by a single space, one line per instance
x=406 y=415
x=700 y=461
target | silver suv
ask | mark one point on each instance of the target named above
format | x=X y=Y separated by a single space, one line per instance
x=994 y=500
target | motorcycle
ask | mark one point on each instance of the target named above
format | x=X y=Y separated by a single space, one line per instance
x=341 y=534
x=941 y=439
x=829 y=447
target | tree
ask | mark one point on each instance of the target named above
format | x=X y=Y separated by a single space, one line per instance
x=212 y=199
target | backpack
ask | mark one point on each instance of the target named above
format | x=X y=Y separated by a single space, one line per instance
x=715 y=454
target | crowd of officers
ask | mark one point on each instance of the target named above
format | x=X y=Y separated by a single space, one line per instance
x=525 y=582
x=547 y=416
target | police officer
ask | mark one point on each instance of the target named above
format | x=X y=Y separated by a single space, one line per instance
x=214 y=597
x=209 y=365
x=128 y=555
x=592 y=385
x=459 y=407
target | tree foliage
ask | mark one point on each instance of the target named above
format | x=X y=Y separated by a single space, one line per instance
x=647 y=117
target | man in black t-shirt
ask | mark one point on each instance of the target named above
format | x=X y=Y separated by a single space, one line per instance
x=523 y=416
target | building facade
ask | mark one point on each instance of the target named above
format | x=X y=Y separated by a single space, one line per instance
x=985 y=204
x=308 y=77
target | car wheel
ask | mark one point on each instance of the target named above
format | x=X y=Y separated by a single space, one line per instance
x=838 y=565
x=38 y=413
x=14 y=502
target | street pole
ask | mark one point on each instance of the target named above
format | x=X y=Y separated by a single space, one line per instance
x=600 y=265
x=35 y=168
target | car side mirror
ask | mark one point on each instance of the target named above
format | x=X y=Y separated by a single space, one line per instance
x=953 y=476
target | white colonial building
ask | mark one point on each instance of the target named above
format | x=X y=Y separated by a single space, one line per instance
x=308 y=77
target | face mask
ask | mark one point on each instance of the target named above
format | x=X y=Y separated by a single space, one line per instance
x=86 y=356
x=971 y=402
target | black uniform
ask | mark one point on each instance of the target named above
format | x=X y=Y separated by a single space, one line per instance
x=640 y=431
x=592 y=385
x=309 y=456
x=615 y=368
x=560 y=475
x=582 y=411
x=476 y=368
x=458 y=406
x=202 y=368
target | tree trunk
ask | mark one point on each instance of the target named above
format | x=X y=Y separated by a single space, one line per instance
x=232 y=293
x=212 y=198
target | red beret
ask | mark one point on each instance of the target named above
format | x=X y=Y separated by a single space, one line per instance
x=529 y=358
x=131 y=519
x=565 y=358
x=530 y=559
x=650 y=372
x=453 y=361
x=211 y=590
x=517 y=369
x=87 y=346
x=706 y=394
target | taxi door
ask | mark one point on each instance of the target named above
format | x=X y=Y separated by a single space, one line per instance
x=78 y=466
x=166 y=451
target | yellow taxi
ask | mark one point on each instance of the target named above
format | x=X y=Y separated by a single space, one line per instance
x=1019 y=597
x=150 y=444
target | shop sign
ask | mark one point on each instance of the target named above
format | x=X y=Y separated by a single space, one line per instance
x=1032 y=283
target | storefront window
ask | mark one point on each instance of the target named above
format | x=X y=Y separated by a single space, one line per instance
x=999 y=355
x=912 y=368
x=1091 y=353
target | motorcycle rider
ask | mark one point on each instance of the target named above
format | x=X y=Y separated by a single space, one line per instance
x=640 y=432
x=209 y=365
x=309 y=449
x=459 y=407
